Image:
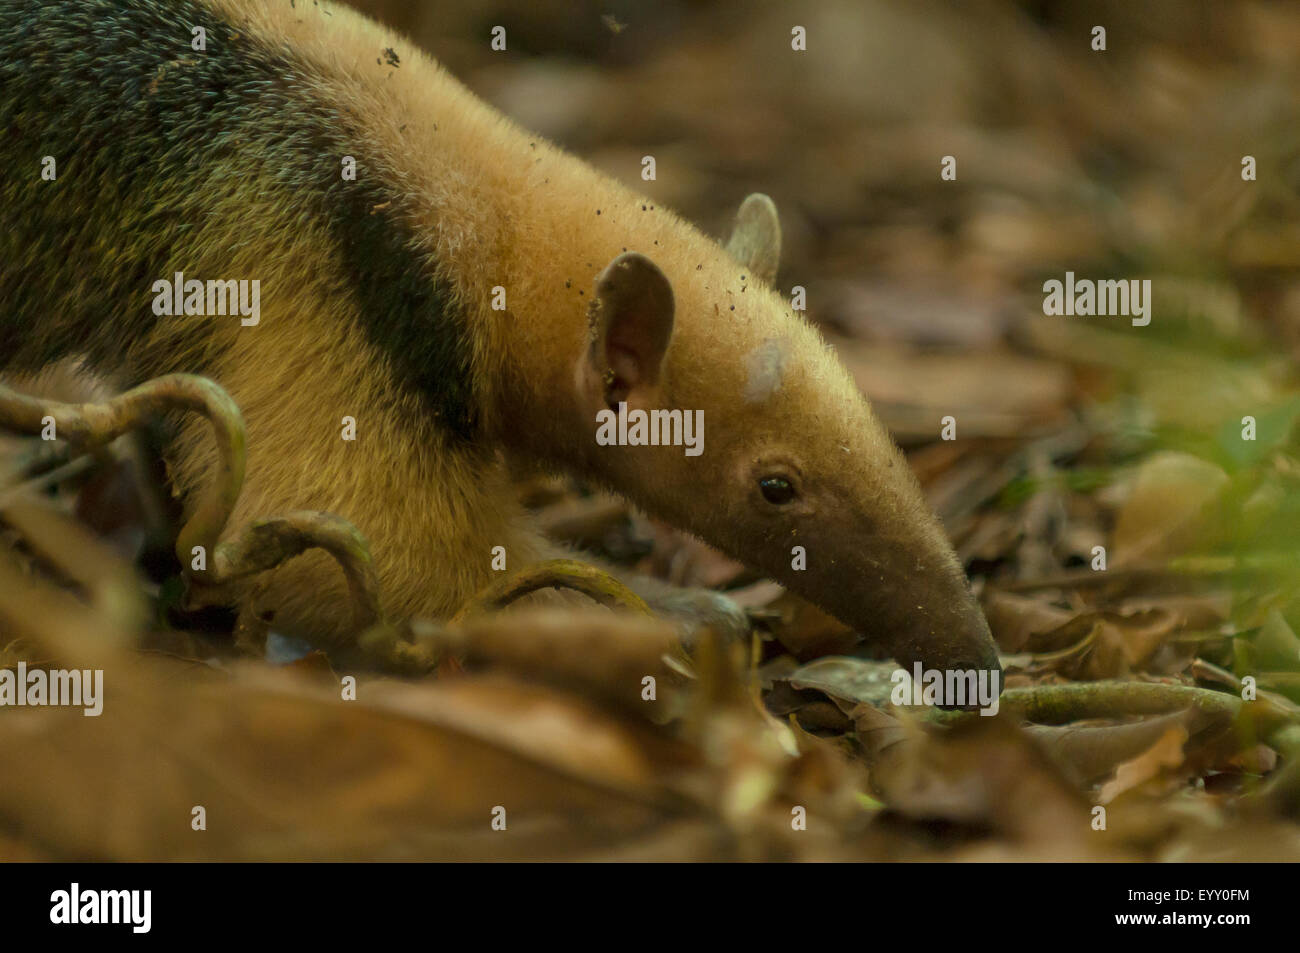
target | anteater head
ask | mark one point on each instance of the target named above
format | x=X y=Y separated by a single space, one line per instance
x=792 y=471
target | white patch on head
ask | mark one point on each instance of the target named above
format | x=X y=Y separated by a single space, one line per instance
x=763 y=370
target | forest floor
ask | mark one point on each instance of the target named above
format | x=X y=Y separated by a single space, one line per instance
x=1125 y=498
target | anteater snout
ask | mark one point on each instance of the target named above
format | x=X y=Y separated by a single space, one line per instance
x=964 y=658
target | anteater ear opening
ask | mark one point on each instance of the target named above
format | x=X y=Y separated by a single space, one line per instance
x=632 y=322
x=756 y=240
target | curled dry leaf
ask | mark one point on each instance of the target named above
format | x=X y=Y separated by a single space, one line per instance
x=684 y=560
x=1162 y=757
x=847 y=681
x=1091 y=752
x=806 y=631
x=1017 y=620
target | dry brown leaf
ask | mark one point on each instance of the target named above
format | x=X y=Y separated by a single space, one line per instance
x=1092 y=751
x=1100 y=645
x=1166 y=754
x=808 y=632
x=683 y=560
x=1015 y=619
x=297 y=774
x=989 y=777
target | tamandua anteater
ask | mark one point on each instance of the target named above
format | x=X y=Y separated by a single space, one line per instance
x=471 y=296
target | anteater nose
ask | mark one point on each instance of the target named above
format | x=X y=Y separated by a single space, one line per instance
x=988 y=661
x=988 y=683
x=980 y=656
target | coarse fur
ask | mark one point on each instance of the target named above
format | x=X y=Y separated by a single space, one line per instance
x=376 y=304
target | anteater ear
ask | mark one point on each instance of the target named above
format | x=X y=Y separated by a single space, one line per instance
x=632 y=320
x=756 y=240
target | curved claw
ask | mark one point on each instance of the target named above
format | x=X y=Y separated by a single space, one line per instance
x=267 y=543
x=263 y=545
x=91 y=425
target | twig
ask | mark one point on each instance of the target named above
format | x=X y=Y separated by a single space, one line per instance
x=1062 y=704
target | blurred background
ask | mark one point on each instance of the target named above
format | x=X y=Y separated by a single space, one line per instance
x=1121 y=162
x=1074 y=434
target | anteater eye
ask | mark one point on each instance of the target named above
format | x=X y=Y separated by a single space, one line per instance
x=776 y=489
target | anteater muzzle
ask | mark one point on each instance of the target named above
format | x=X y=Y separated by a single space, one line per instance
x=917 y=608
